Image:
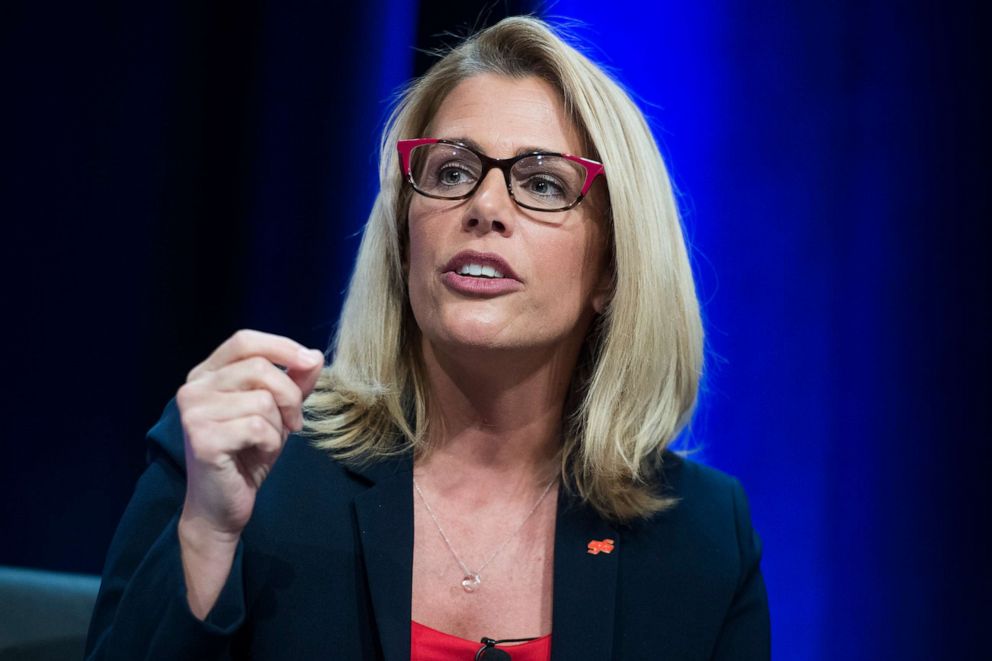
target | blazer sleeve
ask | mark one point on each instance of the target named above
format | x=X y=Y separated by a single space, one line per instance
x=746 y=631
x=141 y=610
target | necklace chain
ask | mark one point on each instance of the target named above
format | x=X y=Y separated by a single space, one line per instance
x=473 y=579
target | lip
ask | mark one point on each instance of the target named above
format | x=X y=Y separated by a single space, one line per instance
x=475 y=286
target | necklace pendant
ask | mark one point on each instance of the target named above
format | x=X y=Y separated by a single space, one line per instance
x=471 y=582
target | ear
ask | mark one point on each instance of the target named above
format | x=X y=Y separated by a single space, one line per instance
x=603 y=292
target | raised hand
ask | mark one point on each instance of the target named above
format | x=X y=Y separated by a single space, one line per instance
x=237 y=408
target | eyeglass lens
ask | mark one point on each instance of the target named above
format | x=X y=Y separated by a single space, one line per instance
x=540 y=181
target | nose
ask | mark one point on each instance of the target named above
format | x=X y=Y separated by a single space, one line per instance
x=490 y=209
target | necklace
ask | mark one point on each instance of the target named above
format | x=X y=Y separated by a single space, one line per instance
x=473 y=579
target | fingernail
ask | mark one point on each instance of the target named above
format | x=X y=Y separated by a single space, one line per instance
x=310 y=357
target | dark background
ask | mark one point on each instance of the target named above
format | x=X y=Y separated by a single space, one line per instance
x=174 y=171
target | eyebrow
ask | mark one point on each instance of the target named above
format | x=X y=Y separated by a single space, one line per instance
x=522 y=150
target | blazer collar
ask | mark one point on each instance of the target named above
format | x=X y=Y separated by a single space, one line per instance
x=584 y=583
x=385 y=525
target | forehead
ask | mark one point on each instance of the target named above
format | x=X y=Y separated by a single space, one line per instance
x=506 y=116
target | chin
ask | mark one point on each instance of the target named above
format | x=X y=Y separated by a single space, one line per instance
x=481 y=332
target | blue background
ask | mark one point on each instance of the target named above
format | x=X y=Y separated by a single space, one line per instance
x=823 y=152
x=176 y=170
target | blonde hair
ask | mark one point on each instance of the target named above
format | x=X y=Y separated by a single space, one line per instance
x=637 y=384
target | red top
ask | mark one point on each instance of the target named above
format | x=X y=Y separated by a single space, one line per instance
x=428 y=644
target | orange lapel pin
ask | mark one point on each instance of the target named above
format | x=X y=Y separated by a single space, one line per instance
x=597 y=546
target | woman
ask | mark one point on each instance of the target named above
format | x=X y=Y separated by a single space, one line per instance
x=485 y=456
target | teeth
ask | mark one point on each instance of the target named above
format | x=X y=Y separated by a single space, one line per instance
x=478 y=270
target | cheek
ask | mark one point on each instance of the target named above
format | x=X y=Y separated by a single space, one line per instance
x=418 y=259
x=422 y=258
x=571 y=265
x=417 y=247
x=415 y=254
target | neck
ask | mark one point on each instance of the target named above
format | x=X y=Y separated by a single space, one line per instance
x=496 y=416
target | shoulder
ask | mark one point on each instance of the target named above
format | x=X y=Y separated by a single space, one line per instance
x=697 y=553
x=690 y=575
x=708 y=500
x=707 y=528
x=697 y=487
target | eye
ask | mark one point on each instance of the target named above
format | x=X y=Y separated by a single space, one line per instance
x=547 y=180
x=444 y=170
x=452 y=175
x=544 y=185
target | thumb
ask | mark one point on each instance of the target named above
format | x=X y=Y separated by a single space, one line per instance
x=305 y=376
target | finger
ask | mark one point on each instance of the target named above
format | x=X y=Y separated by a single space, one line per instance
x=259 y=373
x=258 y=464
x=224 y=406
x=246 y=343
x=214 y=442
x=253 y=431
x=305 y=379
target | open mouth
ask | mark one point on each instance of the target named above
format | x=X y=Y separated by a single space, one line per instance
x=479 y=271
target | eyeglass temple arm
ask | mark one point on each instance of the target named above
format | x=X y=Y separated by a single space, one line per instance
x=593 y=170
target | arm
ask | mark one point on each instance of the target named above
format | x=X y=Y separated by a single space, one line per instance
x=172 y=584
x=142 y=610
x=746 y=631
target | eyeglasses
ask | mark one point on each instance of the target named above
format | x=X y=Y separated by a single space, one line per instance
x=489 y=652
x=539 y=181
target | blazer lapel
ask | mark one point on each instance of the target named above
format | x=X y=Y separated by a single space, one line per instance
x=585 y=583
x=385 y=523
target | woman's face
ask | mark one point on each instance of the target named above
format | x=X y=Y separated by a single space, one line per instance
x=553 y=263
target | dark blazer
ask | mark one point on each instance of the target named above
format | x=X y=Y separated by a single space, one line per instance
x=324 y=570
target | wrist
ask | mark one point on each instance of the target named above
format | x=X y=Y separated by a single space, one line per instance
x=198 y=536
x=207 y=557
